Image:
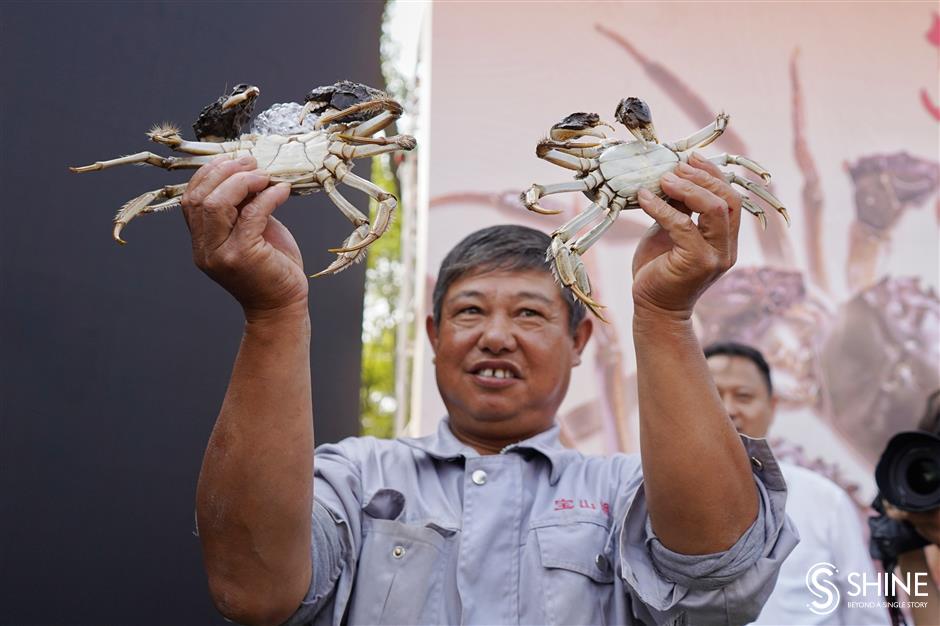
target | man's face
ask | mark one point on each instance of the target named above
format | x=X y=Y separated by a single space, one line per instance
x=744 y=394
x=503 y=352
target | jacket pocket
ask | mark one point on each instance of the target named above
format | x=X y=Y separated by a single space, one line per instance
x=398 y=581
x=578 y=571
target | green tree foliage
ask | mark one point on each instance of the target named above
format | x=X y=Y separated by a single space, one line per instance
x=381 y=317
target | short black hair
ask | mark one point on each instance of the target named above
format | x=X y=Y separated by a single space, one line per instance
x=752 y=354
x=503 y=247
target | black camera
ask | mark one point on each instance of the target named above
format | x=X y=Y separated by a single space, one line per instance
x=908 y=476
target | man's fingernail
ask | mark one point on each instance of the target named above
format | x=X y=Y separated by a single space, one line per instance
x=685 y=168
x=245 y=160
x=697 y=157
x=644 y=193
x=669 y=177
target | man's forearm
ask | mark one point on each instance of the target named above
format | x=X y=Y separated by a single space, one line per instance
x=697 y=476
x=255 y=488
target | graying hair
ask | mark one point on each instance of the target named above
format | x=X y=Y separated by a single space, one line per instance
x=505 y=247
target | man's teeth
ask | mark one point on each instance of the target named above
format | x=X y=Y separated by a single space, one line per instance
x=491 y=373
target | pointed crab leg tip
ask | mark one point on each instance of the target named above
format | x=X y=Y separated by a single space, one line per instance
x=535 y=208
x=763 y=221
x=785 y=215
x=590 y=302
x=766 y=178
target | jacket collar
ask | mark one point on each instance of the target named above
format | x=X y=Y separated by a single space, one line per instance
x=443 y=445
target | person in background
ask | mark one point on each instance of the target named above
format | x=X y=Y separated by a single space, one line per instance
x=824 y=515
x=926 y=611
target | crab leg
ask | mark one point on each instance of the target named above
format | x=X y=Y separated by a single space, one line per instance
x=734 y=159
x=379 y=141
x=568 y=267
x=359 y=219
x=589 y=150
x=585 y=241
x=383 y=214
x=567 y=231
x=373 y=125
x=353 y=248
x=762 y=193
x=530 y=198
x=142 y=204
x=568 y=161
x=386 y=104
x=346 y=151
x=169 y=163
x=703 y=137
x=201 y=147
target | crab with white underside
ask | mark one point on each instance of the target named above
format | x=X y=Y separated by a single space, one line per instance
x=610 y=172
x=309 y=160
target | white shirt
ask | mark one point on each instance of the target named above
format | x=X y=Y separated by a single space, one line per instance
x=830 y=532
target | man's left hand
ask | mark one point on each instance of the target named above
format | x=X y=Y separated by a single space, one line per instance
x=677 y=259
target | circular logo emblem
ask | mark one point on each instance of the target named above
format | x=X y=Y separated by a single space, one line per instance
x=823 y=589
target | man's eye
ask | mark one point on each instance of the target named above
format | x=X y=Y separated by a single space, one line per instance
x=530 y=313
x=743 y=397
x=469 y=310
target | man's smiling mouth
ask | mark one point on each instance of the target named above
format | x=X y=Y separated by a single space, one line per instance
x=495 y=373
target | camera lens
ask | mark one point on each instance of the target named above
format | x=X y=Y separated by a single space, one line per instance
x=923 y=476
x=908 y=472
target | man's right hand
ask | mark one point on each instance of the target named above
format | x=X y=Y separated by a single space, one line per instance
x=237 y=241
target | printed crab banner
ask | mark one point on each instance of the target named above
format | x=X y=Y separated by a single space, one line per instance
x=837 y=101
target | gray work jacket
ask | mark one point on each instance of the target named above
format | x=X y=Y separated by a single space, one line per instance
x=427 y=531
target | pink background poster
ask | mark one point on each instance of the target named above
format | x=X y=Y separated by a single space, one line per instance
x=837 y=100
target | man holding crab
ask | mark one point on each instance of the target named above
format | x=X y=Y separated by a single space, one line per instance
x=490 y=520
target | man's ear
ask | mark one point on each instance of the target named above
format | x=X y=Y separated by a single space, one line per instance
x=431 y=329
x=581 y=336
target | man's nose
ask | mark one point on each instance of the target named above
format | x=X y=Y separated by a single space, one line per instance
x=497 y=335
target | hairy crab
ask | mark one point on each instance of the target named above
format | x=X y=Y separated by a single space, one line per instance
x=610 y=172
x=310 y=159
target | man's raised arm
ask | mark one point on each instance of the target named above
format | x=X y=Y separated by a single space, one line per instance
x=255 y=488
x=697 y=477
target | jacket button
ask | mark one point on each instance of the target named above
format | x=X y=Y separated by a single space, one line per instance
x=756 y=463
x=478 y=477
x=398 y=552
x=601 y=562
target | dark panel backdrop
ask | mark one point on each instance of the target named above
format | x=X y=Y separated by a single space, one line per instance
x=115 y=359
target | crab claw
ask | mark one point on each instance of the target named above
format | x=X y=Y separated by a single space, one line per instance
x=308 y=108
x=579 y=125
x=786 y=216
x=249 y=94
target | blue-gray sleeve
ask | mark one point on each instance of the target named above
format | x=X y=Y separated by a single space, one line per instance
x=336 y=535
x=725 y=588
